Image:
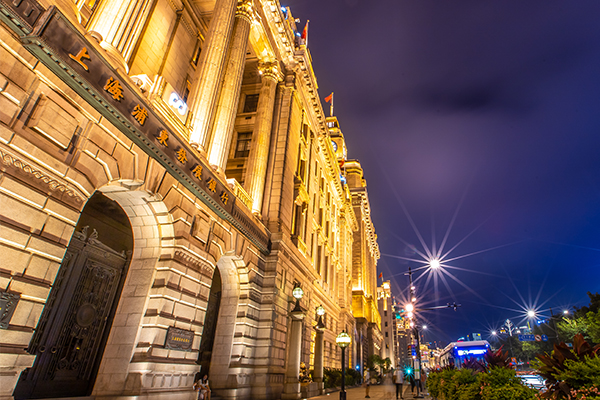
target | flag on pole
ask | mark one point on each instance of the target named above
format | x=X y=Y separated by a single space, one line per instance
x=381 y=275
x=304 y=35
x=329 y=99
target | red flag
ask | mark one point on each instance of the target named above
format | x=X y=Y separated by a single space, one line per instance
x=329 y=98
x=381 y=275
x=305 y=33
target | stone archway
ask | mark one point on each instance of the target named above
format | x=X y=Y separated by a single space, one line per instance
x=144 y=212
x=225 y=376
x=71 y=335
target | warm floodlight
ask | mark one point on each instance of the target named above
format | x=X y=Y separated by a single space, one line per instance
x=409 y=307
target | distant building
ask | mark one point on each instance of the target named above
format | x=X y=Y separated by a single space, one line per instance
x=403 y=341
x=365 y=254
x=388 y=323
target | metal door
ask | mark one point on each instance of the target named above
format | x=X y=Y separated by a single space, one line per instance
x=71 y=334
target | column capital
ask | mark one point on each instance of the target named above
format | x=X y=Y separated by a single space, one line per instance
x=270 y=70
x=245 y=10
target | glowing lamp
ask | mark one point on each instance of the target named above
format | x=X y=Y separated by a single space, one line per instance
x=409 y=307
x=434 y=263
x=531 y=313
x=320 y=311
x=298 y=293
x=343 y=340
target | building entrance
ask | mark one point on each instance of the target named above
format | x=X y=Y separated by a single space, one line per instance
x=210 y=324
x=71 y=335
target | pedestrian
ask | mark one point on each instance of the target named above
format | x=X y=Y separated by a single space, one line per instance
x=412 y=383
x=203 y=389
x=399 y=381
x=367 y=383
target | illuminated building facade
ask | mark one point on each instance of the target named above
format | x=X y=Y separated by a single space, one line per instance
x=388 y=323
x=403 y=340
x=365 y=254
x=168 y=177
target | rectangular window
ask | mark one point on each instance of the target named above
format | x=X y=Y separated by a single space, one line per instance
x=196 y=55
x=242 y=148
x=385 y=314
x=251 y=103
x=186 y=90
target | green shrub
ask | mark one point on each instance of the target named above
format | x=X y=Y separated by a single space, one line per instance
x=496 y=383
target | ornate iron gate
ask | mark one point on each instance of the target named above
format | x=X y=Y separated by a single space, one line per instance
x=72 y=332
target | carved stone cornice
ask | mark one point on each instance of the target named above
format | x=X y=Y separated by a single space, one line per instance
x=53 y=183
x=192 y=261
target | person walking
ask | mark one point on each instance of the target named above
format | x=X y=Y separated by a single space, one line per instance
x=399 y=381
x=413 y=383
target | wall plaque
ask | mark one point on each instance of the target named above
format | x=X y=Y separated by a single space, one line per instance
x=8 y=304
x=179 y=339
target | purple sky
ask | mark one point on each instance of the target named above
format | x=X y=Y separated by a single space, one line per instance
x=489 y=108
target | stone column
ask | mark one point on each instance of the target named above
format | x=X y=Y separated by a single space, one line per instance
x=212 y=61
x=291 y=387
x=229 y=96
x=318 y=372
x=259 y=152
x=120 y=24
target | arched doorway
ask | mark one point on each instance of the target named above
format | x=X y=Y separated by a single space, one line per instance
x=71 y=334
x=210 y=324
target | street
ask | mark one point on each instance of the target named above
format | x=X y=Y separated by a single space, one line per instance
x=387 y=392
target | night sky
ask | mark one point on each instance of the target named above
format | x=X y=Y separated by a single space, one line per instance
x=478 y=121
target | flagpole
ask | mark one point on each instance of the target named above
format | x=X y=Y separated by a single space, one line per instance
x=331 y=106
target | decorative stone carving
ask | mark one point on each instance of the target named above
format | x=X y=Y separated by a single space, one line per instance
x=54 y=184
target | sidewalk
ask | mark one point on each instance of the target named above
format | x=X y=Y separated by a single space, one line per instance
x=377 y=392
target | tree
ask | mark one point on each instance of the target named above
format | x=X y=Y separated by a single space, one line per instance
x=586 y=320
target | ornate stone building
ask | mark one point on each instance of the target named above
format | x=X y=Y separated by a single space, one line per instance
x=168 y=177
x=365 y=253
x=385 y=305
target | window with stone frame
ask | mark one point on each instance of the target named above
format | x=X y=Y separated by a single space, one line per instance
x=242 y=147
x=196 y=54
x=251 y=103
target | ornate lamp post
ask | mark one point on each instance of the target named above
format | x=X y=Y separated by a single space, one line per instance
x=343 y=340
x=291 y=388
x=318 y=371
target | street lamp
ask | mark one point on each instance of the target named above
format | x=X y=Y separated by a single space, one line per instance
x=320 y=313
x=531 y=313
x=298 y=293
x=343 y=340
x=434 y=263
